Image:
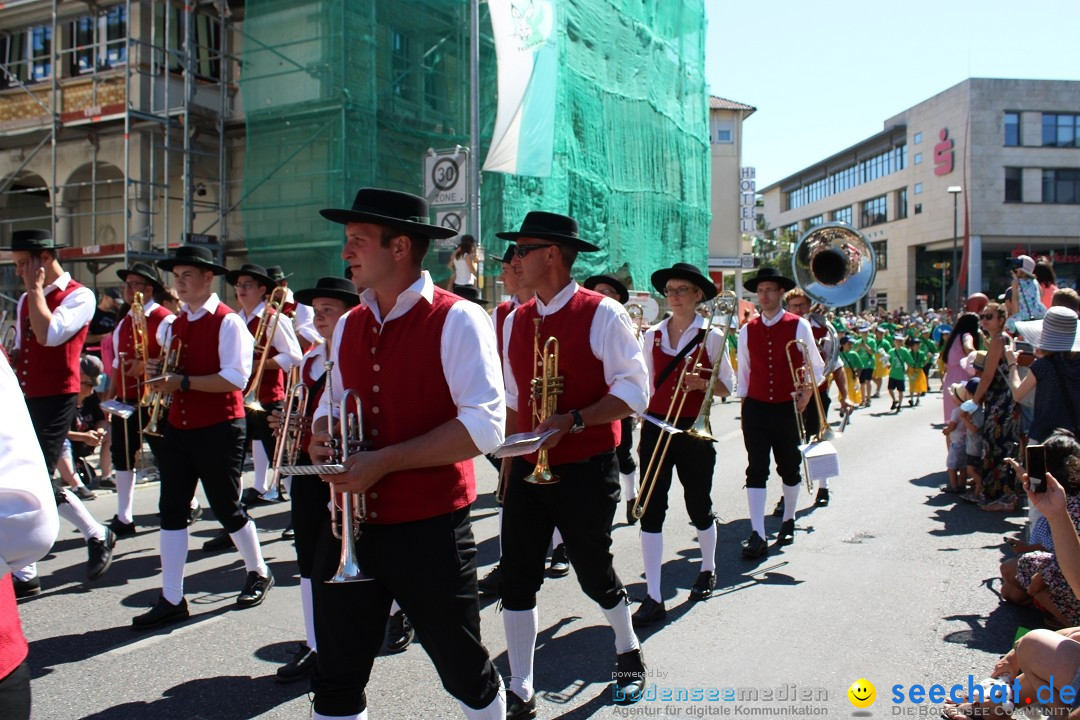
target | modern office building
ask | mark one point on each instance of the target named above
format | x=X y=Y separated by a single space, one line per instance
x=1004 y=153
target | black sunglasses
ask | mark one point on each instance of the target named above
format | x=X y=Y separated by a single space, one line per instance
x=523 y=250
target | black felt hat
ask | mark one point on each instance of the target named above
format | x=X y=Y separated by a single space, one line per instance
x=684 y=271
x=31 y=240
x=329 y=287
x=508 y=256
x=769 y=274
x=470 y=293
x=277 y=274
x=392 y=209
x=560 y=229
x=143 y=271
x=591 y=283
x=257 y=272
x=192 y=256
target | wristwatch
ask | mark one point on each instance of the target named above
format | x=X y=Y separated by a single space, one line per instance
x=579 y=424
x=185 y=383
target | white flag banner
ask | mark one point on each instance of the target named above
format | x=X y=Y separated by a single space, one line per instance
x=524 y=137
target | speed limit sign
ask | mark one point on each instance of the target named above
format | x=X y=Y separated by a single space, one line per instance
x=446 y=174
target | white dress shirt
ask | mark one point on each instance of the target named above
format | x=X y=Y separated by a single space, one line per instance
x=235 y=344
x=284 y=341
x=160 y=335
x=305 y=319
x=802 y=332
x=714 y=346
x=28 y=519
x=469 y=360
x=611 y=338
x=70 y=316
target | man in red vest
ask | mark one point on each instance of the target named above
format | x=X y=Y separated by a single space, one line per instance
x=53 y=320
x=424 y=365
x=768 y=408
x=204 y=436
x=604 y=380
x=128 y=373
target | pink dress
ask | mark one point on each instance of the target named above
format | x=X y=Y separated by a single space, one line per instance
x=954 y=374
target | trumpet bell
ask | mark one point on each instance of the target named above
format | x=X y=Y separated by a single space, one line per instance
x=542 y=475
x=834 y=264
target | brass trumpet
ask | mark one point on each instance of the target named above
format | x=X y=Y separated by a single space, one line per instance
x=157 y=401
x=545 y=391
x=803 y=377
x=264 y=343
x=346 y=523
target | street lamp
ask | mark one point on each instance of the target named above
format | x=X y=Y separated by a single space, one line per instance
x=955 y=191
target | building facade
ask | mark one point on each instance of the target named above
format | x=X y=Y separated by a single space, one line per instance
x=727 y=247
x=998 y=160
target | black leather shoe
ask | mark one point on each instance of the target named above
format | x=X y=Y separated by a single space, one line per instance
x=518 y=709
x=122 y=529
x=299 y=667
x=400 y=633
x=100 y=555
x=703 y=586
x=194 y=514
x=630 y=519
x=560 y=563
x=787 y=533
x=289 y=533
x=822 y=499
x=221 y=541
x=754 y=547
x=488 y=586
x=778 y=511
x=108 y=483
x=163 y=613
x=27 y=588
x=649 y=612
x=629 y=677
x=255 y=589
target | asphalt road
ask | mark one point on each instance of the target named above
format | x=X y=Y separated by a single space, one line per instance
x=893 y=582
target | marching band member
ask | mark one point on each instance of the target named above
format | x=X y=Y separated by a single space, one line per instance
x=54 y=316
x=303 y=316
x=424 y=364
x=604 y=381
x=610 y=286
x=767 y=391
x=204 y=436
x=667 y=344
x=127 y=371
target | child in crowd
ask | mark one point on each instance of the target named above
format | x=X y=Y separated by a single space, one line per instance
x=956 y=438
x=973 y=417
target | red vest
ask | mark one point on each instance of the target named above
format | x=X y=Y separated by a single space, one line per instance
x=661 y=397
x=13 y=648
x=45 y=371
x=397 y=369
x=272 y=387
x=289 y=308
x=770 y=377
x=501 y=311
x=129 y=389
x=194 y=409
x=312 y=362
x=583 y=373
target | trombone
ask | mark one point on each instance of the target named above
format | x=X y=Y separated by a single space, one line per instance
x=637 y=316
x=803 y=376
x=545 y=391
x=8 y=341
x=290 y=433
x=725 y=304
x=264 y=342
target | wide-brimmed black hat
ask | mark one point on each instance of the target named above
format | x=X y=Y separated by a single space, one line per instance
x=256 y=272
x=560 y=229
x=193 y=256
x=769 y=274
x=471 y=293
x=30 y=240
x=508 y=256
x=392 y=209
x=592 y=282
x=684 y=271
x=144 y=271
x=277 y=274
x=329 y=287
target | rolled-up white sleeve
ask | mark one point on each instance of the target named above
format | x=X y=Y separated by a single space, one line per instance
x=742 y=386
x=806 y=334
x=471 y=367
x=72 y=314
x=612 y=340
x=305 y=324
x=162 y=333
x=509 y=383
x=235 y=346
x=288 y=347
x=28 y=519
x=715 y=344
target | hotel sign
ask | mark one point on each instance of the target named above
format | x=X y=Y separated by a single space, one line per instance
x=747 y=200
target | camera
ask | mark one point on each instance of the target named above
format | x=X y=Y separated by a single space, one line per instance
x=1013 y=263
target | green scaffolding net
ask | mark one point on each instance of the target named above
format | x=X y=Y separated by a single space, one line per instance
x=342 y=94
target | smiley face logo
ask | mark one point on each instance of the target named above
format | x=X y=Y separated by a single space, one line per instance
x=862 y=693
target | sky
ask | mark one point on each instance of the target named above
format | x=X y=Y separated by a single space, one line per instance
x=825 y=75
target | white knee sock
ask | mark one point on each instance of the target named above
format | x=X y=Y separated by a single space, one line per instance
x=629 y=485
x=652 y=555
x=394 y=607
x=791 y=500
x=125 y=491
x=618 y=618
x=707 y=540
x=755 y=499
x=320 y=716
x=496 y=710
x=27 y=573
x=824 y=483
x=262 y=464
x=520 y=628
x=174 y=549
x=247 y=542
x=556 y=539
x=76 y=513
x=309 y=612
x=286 y=482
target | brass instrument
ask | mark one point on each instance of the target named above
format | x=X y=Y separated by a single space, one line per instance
x=264 y=343
x=138 y=336
x=290 y=433
x=545 y=391
x=158 y=402
x=637 y=317
x=678 y=399
x=346 y=523
x=725 y=304
x=8 y=341
x=803 y=377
